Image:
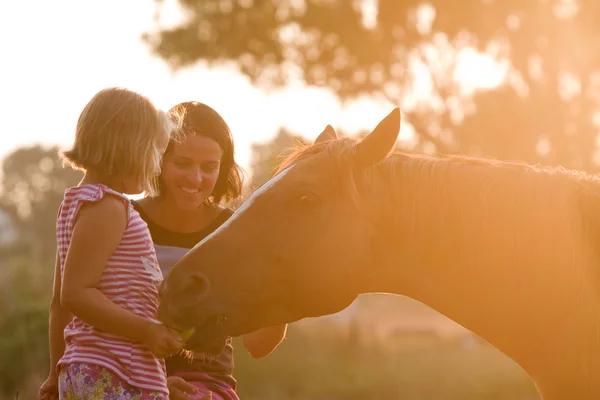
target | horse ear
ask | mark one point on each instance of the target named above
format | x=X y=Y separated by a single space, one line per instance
x=380 y=142
x=327 y=134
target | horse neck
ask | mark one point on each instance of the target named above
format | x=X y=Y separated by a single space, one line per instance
x=491 y=248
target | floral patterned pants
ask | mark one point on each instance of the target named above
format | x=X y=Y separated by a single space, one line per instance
x=92 y=382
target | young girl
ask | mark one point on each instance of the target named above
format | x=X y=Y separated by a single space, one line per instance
x=198 y=175
x=107 y=277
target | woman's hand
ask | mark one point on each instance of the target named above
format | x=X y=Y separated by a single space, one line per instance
x=179 y=389
x=49 y=389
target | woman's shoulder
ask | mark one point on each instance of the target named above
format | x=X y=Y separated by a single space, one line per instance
x=140 y=204
x=224 y=212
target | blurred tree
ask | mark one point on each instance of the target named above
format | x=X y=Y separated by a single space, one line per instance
x=33 y=184
x=544 y=110
x=267 y=156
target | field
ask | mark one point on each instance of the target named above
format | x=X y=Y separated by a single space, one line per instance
x=410 y=368
x=321 y=363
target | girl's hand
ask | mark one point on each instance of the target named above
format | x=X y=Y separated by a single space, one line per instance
x=49 y=389
x=179 y=389
x=162 y=341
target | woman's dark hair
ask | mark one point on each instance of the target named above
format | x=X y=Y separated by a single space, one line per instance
x=199 y=119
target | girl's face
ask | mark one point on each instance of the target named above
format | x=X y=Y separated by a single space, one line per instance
x=135 y=185
x=190 y=171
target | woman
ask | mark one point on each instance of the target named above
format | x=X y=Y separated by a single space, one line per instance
x=199 y=174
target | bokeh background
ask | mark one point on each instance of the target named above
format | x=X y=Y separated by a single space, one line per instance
x=515 y=80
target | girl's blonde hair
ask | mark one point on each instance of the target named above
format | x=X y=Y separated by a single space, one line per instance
x=117 y=136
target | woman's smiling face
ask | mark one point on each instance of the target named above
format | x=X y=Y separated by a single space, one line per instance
x=190 y=171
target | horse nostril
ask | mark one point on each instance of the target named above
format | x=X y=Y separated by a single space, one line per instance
x=199 y=285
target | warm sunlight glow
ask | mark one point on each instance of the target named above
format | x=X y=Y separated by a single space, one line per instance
x=430 y=253
x=74 y=67
x=478 y=71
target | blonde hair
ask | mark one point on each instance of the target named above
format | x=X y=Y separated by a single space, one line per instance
x=117 y=136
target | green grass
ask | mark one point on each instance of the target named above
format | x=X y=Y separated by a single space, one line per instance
x=408 y=369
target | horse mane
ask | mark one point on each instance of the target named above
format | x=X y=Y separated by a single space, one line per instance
x=509 y=205
x=543 y=192
x=339 y=149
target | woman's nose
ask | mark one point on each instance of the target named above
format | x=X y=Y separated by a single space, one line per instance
x=195 y=176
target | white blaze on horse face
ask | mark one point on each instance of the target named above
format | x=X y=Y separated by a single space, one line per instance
x=257 y=193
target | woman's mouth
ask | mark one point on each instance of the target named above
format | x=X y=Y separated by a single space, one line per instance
x=190 y=190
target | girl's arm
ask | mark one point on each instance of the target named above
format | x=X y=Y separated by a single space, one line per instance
x=96 y=235
x=59 y=319
x=263 y=341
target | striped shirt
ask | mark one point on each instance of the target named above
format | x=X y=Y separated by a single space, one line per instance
x=131 y=280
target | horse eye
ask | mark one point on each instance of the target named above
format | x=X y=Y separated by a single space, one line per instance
x=309 y=199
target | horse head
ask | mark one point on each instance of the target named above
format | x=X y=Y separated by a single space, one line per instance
x=299 y=246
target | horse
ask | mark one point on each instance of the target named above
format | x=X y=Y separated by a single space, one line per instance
x=506 y=249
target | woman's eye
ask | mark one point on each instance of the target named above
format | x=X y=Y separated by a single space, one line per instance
x=211 y=168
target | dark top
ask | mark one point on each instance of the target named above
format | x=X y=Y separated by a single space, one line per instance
x=170 y=247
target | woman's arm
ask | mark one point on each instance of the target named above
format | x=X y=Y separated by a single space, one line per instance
x=96 y=235
x=262 y=342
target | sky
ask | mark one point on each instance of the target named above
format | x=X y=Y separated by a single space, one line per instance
x=57 y=54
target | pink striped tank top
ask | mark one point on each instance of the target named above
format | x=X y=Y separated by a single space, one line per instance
x=131 y=280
